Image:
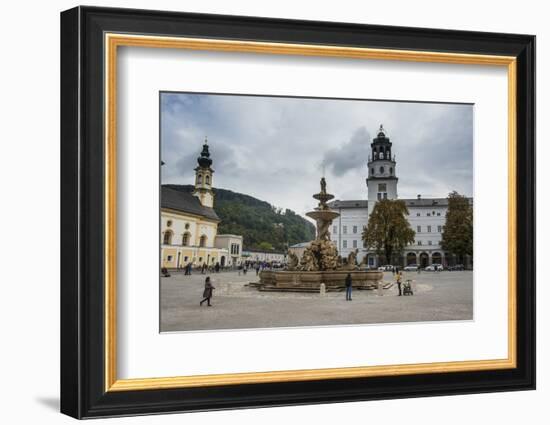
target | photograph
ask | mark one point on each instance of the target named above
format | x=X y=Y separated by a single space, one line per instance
x=279 y=211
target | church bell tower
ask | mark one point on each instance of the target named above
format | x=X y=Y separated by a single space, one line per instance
x=203 y=178
x=381 y=180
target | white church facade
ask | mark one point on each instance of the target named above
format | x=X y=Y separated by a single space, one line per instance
x=426 y=215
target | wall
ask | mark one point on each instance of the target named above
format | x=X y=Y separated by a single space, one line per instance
x=29 y=174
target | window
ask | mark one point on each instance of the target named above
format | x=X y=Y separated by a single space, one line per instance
x=429 y=242
x=185 y=239
x=418 y=214
x=419 y=229
x=385 y=195
x=344 y=243
x=334 y=229
x=419 y=243
x=355 y=243
x=202 y=242
x=199 y=179
x=364 y=244
x=185 y=258
x=169 y=258
x=372 y=171
x=169 y=223
x=382 y=187
x=207 y=179
x=200 y=259
x=379 y=196
x=354 y=229
x=381 y=170
x=391 y=171
x=429 y=229
x=345 y=230
x=167 y=238
x=429 y=215
x=438 y=214
x=439 y=229
x=186 y=226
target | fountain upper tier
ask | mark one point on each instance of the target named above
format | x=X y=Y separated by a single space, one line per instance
x=323 y=215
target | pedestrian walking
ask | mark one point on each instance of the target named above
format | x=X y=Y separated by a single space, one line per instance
x=217 y=268
x=399 y=278
x=207 y=293
x=349 y=287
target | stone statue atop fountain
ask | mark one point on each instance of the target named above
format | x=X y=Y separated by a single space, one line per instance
x=351 y=263
x=293 y=261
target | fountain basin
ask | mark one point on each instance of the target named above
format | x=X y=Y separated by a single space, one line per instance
x=333 y=279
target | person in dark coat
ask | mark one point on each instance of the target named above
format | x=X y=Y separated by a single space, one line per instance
x=207 y=293
x=217 y=267
x=349 y=287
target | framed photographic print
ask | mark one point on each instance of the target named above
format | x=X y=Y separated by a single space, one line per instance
x=261 y=212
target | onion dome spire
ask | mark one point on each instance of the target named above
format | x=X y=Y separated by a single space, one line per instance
x=204 y=160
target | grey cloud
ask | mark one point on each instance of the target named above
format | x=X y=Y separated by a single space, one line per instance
x=349 y=155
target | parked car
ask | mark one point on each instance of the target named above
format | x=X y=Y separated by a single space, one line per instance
x=434 y=268
x=411 y=268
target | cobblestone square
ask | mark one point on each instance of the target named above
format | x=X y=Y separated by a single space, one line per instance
x=437 y=296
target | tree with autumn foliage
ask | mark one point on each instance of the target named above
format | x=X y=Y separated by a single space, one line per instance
x=388 y=230
x=458 y=232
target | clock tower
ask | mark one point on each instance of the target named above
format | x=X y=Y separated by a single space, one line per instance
x=381 y=180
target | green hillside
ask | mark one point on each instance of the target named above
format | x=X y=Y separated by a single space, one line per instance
x=262 y=225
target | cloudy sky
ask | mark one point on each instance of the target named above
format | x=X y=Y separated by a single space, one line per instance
x=275 y=148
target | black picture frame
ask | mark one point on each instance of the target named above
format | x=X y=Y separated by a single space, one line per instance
x=83 y=392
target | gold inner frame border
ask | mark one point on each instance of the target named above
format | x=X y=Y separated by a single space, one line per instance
x=113 y=40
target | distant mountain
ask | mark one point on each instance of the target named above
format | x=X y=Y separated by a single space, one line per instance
x=262 y=225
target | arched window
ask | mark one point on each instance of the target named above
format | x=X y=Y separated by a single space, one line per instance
x=199 y=179
x=185 y=239
x=202 y=242
x=167 y=237
x=381 y=170
x=372 y=171
x=391 y=171
x=207 y=179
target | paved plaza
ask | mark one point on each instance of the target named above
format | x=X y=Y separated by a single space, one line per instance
x=438 y=296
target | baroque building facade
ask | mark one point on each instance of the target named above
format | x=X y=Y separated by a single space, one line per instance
x=189 y=224
x=426 y=215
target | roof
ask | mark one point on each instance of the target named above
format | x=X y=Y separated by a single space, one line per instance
x=301 y=245
x=426 y=202
x=228 y=235
x=348 y=204
x=415 y=202
x=185 y=202
x=430 y=202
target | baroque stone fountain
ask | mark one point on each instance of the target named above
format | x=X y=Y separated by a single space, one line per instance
x=320 y=262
